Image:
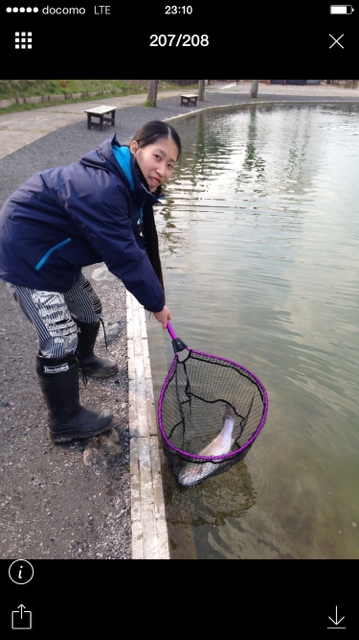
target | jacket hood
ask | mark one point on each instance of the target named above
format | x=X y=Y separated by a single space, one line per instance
x=102 y=156
x=105 y=157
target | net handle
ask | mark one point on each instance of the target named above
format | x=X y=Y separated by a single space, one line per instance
x=177 y=343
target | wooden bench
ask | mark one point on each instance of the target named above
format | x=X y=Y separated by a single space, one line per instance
x=189 y=98
x=103 y=114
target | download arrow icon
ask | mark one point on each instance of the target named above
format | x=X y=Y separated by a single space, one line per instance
x=336 y=621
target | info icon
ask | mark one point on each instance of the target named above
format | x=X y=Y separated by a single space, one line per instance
x=21 y=571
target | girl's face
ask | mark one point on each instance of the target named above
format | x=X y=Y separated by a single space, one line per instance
x=156 y=160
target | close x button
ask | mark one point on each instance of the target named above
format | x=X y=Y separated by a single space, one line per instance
x=336 y=41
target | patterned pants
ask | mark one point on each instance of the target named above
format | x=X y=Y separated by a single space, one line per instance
x=52 y=314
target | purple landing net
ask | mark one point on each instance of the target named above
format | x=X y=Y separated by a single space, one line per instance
x=189 y=412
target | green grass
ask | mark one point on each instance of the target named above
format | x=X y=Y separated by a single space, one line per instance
x=148 y=103
x=20 y=89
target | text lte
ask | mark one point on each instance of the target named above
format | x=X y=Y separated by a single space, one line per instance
x=102 y=9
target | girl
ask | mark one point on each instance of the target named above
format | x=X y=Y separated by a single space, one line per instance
x=99 y=209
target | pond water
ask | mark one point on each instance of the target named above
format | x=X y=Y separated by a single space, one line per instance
x=259 y=241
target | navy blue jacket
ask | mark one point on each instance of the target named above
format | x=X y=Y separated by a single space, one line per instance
x=65 y=218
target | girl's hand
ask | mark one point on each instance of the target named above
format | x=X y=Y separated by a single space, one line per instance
x=163 y=316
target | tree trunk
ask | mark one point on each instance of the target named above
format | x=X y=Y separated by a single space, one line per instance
x=254 y=89
x=152 y=93
x=201 y=89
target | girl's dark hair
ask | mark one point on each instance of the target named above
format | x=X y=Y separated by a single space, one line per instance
x=155 y=129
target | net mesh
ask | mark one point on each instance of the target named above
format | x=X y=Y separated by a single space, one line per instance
x=189 y=413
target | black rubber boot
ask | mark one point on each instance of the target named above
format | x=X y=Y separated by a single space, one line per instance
x=67 y=420
x=90 y=364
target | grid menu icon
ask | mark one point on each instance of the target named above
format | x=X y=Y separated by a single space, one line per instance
x=23 y=39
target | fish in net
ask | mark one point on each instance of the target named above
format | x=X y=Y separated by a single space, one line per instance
x=210 y=412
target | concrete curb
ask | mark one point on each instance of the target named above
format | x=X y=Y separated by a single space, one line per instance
x=148 y=517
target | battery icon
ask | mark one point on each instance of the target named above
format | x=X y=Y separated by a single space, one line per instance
x=341 y=9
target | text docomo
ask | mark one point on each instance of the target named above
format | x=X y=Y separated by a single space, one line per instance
x=102 y=9
x=64 y=11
